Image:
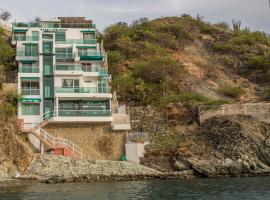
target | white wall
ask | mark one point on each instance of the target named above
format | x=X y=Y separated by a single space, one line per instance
x=135 y=151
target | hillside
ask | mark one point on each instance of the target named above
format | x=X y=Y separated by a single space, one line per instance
x=15 y=153
x=169 y=69
x=164 y=59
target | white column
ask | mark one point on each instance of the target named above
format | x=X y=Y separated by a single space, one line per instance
x=41 y=147
x=56 y=106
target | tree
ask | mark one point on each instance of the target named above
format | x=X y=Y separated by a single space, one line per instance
x=5 y=15
x=236 y=25
x=160 y=70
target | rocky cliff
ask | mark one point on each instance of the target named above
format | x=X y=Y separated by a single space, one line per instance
x=221 y=146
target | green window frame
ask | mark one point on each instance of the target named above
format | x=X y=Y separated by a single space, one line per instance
x=30 y=108
x=60 y=36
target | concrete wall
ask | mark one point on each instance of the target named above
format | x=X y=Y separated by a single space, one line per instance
x=135 y=151
x=261 y=111
x=97 y=141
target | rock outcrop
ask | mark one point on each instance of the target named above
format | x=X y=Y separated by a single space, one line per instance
x=230 y=146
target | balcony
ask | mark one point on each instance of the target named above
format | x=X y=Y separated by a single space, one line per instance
x=30 y=91
x=25 y=38
x=97 y=116
x=78 y=69
x=99 y=55
x=84 y=92
x=32 y=69
x=77 y=41
x=84 y=113
x=25 y=55
x=64 y=56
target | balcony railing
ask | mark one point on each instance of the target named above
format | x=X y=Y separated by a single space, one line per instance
x=84 y=113
x=32 y=69
x=25 y=38
x=96 y=55
x=81 y=68
x=21 y=55
x=68 y=67
x=82 y=90
x=27 y=53
x=30 y=91
x=64 y=56
x=77 y=41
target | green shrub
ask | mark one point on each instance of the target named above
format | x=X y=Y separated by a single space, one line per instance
x=115 y=57
x=232 y=92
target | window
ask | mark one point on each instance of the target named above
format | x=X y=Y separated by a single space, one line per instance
x=30 y=109
x=30 y=85
x=47 y=47
x=60 y=36
x=87 y=67
x=47 y=36
x=31 y=50
x=20 y=36
x=70 y=83
x=35 y=35
x=88 y=36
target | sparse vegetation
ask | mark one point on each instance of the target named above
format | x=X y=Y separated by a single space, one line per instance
x=231 y=92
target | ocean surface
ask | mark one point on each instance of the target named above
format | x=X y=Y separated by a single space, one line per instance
x=216 y=189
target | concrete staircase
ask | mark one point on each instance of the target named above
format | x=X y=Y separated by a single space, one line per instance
x=59 y=146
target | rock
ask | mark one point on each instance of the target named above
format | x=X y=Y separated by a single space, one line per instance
x=245 y=165
x=239 y=160
x=180 y=166
x=51 y=168
x=228 y=161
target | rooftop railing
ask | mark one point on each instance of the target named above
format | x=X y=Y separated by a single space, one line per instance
x=52 y=25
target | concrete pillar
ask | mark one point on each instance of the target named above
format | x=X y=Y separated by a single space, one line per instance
x=56 y=106
x=41 y=148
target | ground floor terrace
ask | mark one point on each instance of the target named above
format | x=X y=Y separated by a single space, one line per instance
x=63 y=110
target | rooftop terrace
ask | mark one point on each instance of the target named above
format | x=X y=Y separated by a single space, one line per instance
x=60 y=22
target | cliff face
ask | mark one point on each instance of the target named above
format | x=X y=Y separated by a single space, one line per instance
x=233 y=146
x=15 y=153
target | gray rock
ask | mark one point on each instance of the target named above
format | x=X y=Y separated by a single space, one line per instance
x=180 y=166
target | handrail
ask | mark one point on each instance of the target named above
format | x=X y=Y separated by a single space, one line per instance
x=64 y=143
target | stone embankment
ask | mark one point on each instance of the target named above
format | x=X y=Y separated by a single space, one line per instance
x=58 y=169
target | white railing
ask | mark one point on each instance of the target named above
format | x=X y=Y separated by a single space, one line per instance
x=50 y=139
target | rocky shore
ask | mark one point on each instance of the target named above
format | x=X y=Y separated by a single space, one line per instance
x=58 y=169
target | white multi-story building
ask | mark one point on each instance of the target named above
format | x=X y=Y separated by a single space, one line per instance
x=62 y=72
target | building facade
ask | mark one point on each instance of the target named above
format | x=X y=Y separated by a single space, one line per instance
x=62 y=72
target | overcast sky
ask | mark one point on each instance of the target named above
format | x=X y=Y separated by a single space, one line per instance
x=253 y=13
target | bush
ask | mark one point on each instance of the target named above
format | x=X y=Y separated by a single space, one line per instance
x=232 y=92
x=115 y=57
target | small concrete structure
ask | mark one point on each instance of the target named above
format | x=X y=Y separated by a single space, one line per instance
x=135 y=146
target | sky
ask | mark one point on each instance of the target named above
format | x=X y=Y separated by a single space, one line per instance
x=254 y=14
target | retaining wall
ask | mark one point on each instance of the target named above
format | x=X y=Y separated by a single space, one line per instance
x=261 y=111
